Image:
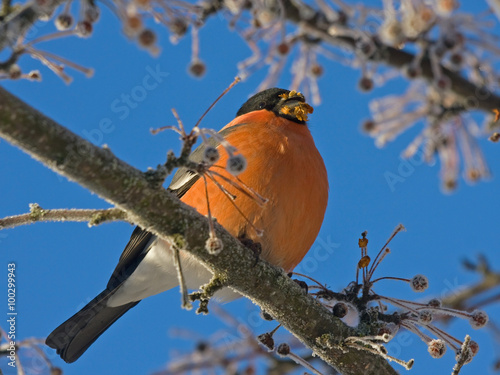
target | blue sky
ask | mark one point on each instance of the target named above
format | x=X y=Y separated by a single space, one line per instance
x=61 y=266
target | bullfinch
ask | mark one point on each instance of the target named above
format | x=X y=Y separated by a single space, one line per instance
x=283 y=165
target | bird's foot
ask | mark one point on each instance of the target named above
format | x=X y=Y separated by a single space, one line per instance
x=256 y=247
x=303 y=285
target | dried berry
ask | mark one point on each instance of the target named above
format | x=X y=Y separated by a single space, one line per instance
x=267 y=340
x=146 y=38
x=236 y=164
x=340 y=309
x=436 y=348
x=368 y=126
x=419 y=283
x=317 y=70
x=197 y=68
x=283 y=48
x=365 y=84
x=64 y=21
x=425 y=317
x=214 y=245
x=434 y=302
x=211 y=155
x=478 y=319
x=283 y=349
x=84 y=29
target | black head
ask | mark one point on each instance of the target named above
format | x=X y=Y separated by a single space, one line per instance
x=284 y=103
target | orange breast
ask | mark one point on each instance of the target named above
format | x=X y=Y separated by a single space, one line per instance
x=285 y=167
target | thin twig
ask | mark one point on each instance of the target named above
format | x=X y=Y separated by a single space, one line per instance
x=185 y=303
x=236 y=80
x=463 y=357
x=38 y=214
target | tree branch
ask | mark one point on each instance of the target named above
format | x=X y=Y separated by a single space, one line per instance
x=313 y=24
x=92 y=216
x=397 y=58
x=162 y=213
x=21 y=20
x=463 y=356
x=461 y=298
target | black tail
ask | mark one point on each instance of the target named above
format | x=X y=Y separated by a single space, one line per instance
x=72 y=338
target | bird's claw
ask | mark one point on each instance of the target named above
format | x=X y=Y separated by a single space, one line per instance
x=256 y=247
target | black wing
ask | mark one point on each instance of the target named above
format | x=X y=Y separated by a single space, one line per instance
x=184 y=178
x=131 y=257
x=141 y=239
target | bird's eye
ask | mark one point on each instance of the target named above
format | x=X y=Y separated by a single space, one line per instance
x=262 y=105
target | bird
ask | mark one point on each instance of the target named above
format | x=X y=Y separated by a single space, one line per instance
x=283 y=165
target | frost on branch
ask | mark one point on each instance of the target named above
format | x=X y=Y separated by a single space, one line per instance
x=449 y=57
x=235 y=348
x=359 y=306
x=26 y=356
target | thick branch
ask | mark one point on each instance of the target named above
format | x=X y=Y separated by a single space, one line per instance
x=317 y=26
x=399 y=59
x=312 y=22
x=162 y=213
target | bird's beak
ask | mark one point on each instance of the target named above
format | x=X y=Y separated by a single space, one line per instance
x=294 y=104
